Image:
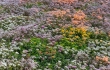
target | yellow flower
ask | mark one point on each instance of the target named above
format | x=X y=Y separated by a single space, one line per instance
x=62 y=30
x=72 y=29
x=66 y=31
x=108 y=43
x=64 y=34
x=76 y=36
x=84 y=38
x=84 y=35
x=101 y=40
x=68 y=38
x=70 y=33
x=52 y=56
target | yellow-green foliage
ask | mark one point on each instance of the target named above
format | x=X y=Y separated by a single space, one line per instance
x=74 y=33
x=75 y=36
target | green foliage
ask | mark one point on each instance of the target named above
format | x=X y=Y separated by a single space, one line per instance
x=78 y=37
x=33 y=44
x=100 y=36
x=38 y=47
x=39 y=3
x=28 y=5
x=1 y=9
x=78 y=44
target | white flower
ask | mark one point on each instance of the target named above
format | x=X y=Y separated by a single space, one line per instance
x=66 y=67
x=65 y=52
x=25 y=51
x=59 y=63
x=11 y=50
x=11 y=25
x=16 y=52
x=3 y=63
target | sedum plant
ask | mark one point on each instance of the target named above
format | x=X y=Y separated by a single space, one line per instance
x=74 y=37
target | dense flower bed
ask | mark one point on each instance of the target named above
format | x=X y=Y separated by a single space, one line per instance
x=55 y=35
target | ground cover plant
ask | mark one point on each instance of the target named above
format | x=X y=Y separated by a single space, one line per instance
x=54 y=35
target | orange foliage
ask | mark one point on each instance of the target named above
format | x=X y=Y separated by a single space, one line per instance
x=97 y=14
x=78 y=17
x=99 y=17
x=75 y=21
x=104 y=59
x=65 y=1
x=58 y=13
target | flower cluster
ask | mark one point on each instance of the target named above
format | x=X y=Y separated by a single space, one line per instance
x=104 y=59
x=54 y=35
x=78 y=17
x=65 y=1
x=70 y=32
x=57 y=13
x=75 y=35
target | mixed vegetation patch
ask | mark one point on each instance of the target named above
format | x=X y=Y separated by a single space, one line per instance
x=55 y=35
